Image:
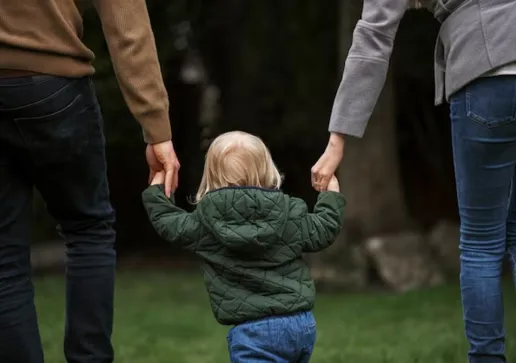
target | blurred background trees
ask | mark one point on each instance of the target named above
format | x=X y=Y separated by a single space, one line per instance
x=272 y=68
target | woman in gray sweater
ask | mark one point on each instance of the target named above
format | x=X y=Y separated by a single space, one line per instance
x=475 y=71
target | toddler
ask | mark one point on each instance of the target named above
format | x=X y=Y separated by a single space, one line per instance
x=251 y=237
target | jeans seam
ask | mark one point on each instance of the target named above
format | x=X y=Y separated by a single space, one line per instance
x=473 y=116
x=55 y=114
x=499 y=121
x=490 y=125
x=68 y=84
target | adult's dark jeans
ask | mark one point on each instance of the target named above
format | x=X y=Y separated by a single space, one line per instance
x=483 y=118
x=51 y=138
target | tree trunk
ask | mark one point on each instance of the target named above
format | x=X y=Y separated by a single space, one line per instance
x=370 y=180
x=369 y=173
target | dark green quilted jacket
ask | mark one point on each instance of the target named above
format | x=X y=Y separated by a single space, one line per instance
x=251 y=241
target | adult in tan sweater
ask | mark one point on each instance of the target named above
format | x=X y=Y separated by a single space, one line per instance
x=51 y=138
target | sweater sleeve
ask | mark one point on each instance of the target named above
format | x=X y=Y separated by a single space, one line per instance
x=127 y=29
x=171 y=222
x=320 y=228
x=366 y=66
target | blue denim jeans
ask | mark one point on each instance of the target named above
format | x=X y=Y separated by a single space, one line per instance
x=279 y=339
x=484 y=144
x=51 y=138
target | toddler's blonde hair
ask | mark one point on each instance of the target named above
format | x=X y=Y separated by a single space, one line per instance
x=238 y=159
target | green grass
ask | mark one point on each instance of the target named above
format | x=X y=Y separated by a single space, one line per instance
x=165 y=317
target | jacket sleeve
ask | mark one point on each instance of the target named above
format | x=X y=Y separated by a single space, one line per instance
x=171 y=222
x=366 y=66
x=127 y=29
x=323 y=225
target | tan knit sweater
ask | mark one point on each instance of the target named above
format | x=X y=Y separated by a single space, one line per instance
x=44 y=36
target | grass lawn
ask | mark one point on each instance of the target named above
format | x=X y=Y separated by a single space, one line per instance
x=165 y=317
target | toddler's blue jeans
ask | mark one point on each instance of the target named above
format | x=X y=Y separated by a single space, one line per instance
x=279 y=339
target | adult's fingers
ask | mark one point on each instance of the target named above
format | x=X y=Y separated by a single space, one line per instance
x=175 y=178
x=317 y=178
x=315 y=182
x=315 y=174
x=323 y=184
x=319 y=182
x=168 y=182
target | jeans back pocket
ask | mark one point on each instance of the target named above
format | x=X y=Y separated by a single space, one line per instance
x=491 y=101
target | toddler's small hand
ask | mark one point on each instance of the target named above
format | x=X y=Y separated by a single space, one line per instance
x=333 y=185
x=159 y=178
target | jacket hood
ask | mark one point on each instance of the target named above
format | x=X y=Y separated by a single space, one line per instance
x=245 y=219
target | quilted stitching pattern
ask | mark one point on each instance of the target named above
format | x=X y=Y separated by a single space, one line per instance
x=251 y=242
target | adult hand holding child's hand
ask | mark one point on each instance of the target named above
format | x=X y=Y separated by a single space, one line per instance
x=162 y=157
x=328 y=163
